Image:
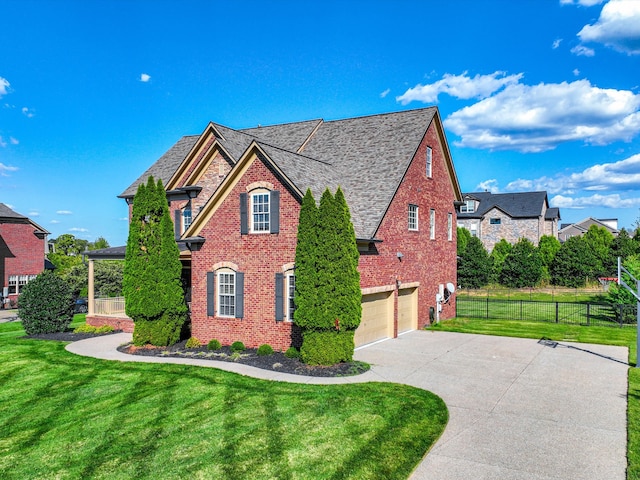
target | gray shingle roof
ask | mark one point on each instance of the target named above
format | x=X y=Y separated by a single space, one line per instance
x=6 y=212
x=516 y=205
x=366 y=156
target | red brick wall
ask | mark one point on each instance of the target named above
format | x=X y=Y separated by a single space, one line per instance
x=21 y=252
x=124 y=324
x=430 y=262
x=258 y=256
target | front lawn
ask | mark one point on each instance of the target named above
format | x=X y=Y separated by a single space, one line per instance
x=625 y=337
x=70 y=417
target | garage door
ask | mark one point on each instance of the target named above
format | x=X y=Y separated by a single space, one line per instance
x=377 y=318
x=407 y=309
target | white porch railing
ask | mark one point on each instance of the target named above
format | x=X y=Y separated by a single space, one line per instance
x=112 y=307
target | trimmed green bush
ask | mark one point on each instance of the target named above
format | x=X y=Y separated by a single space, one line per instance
x=86 y=328
x=214 y=345
x=238 y=347
x=193 y=342
x=46 y=304
x=292 y=352
x=265 y=349
x=327 y=347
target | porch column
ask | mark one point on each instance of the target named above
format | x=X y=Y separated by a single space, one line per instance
x=91 y=293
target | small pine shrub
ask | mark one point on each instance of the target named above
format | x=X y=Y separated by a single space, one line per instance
x=237 y=347
x=46 y=304
x=84 y=328
x=292 y=352
x=214 y=345
x=265 y=349
x=104 y=329
x=193 y=342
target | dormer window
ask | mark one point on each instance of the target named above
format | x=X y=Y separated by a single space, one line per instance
x=469 y=206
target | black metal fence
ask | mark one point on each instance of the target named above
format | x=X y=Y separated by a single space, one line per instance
x=552 y=312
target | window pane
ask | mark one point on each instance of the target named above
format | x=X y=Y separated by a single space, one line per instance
x=226 y=294
x=290 y=296
x=260 y=211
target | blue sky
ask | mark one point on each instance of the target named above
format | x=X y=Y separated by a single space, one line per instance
x=535 y=94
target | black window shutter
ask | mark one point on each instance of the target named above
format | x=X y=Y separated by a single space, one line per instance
x=274 y=210
x=244 y=217
x=177 y=224
x=211 y=288
x=279 y=297
x=239 y=295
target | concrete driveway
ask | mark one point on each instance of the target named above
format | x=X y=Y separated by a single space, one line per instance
x=519 y=408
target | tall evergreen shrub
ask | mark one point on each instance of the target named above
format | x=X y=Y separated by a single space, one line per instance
x=474 y=265
x=152 y=274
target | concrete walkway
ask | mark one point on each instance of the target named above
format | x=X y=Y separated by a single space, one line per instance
x=519 y=408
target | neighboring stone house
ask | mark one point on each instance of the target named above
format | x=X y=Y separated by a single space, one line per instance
x=580 y=228
x=23 y=246
x=236 y=198
x=494 y=216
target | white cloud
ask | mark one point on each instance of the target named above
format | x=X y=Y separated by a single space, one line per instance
x=28 y=112
x=77 y=229
x=623 y=175
x=4 y=86
x=34 y=214
x=584 y=3
x=385 y=93
x=537 y=118
x=576 y=72
x=460 y=86
x=55 y=222
x=556 y=43
x=597 y=200
x=64 y=212
x=145 y=77
x=488 y=186
x=583 y=51
x=618 y=27
x=6 y=168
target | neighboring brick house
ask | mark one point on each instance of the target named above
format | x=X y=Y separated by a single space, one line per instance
x=580 y=228
x=23 y=246
x=494 y=216
x=236 y=198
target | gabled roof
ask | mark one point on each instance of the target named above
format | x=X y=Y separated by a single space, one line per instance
x=366 y=156
x=584 y=224
x=9 y=216
x=516 y=205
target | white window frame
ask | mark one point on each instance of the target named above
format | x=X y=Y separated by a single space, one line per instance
x=432 y=224
x=413 y=217
x=17 y=283
x=450 y=226
x=187 y=218
x=473 y=229
x=289 y=296
x=468 y=207
x=226 y=293
x=13 y=284
x=259 y=211
x=429 y=166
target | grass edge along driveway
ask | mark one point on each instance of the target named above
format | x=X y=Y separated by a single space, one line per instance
x=69 y=417
x=624 y=337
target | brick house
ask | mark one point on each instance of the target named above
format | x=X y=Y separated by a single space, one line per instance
x=236 y=194
x=23 y=245
x=580 y=228
x=494 y=216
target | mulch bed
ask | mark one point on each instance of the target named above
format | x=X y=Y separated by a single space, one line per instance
x=276 y=361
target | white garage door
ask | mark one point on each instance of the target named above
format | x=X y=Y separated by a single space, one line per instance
x=407 y=309
x=377 y=318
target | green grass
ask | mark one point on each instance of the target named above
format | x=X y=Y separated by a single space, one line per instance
x=625 y=337
x=68 y=417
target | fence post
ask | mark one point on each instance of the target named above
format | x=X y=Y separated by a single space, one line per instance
x=588 y=314
x=556 y=312
x=487 y=308
x=520 y=310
